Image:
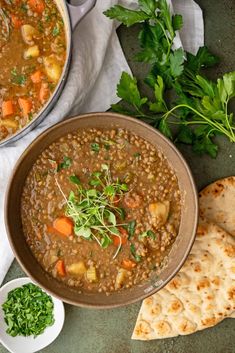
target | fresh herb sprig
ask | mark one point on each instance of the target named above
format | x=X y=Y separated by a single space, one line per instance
x=93 y=210
x=201 y=109
x=28 y=311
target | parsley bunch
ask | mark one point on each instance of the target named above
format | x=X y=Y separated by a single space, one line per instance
x=201 y=107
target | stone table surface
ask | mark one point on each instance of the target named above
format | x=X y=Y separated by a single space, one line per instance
x=109 y=331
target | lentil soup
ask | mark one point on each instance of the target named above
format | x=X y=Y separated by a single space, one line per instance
x=32 y=56
x=101 y=209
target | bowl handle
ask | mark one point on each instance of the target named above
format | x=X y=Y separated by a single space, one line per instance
x=78 y=9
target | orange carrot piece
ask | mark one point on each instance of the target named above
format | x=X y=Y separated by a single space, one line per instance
x=60 y=268
x=37 y=5
x=17 y=23
x=7 y=108
x=36 y=77
x=124 y=236
x=43 y=93
x=128 y=264
x=63 y=225
x=25 y=106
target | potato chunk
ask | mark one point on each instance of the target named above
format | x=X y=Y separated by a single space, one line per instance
x=8 y=123
x=91 y=274
x=77 y=268
x=160 y=211
x=31 y=52
x=28 y=33
x=121 y=276
x=52 y=68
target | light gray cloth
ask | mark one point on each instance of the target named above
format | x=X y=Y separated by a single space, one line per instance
x=96 y=67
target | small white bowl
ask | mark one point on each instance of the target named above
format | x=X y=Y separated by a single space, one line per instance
x=21 y=344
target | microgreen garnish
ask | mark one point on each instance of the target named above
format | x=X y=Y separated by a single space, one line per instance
x=201 y=109
x=133 y=253
x=131 y=228
x=67 y=162
x=95 y=147
x=122 y=213
x=74 y=179
x=27 y=311
x=17 y=79
x=148 y=233
x=93 y=211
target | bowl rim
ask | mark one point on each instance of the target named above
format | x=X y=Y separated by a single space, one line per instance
x=19 y=282
x=193 y=189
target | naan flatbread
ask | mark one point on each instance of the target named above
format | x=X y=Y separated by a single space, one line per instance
x=217 y=203
x=199 y=296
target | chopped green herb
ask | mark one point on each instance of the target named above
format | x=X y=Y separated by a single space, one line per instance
x=133 y=253
x=74 y=179
x=137 y=155
x=17 y=79
x=131 y=228
x=28 y=311
x=95 y=147
x=107 y=147
x=40 y=26
x=56 y=30
x=24 y=7
x=148 y=233
x=67 y=162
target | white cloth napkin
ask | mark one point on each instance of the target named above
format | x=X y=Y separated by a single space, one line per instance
x=96 y=67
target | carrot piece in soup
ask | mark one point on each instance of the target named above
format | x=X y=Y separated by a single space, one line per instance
x=60 y=268
x=17 y=23
x=36 y=5
x=123 y=237
x=128 y=264
x=7 y=108
x=63 y=225
x=43 y=93
x=25 y=106
x=36 y=77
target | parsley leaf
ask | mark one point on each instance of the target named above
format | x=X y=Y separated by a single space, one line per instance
x=127 y=89
x=95 y=147
x=74 y=179
x=176 y=62
x=134 y=254
x=131 y=228
x=177 y=22
x=67 y=162
x=126 y=16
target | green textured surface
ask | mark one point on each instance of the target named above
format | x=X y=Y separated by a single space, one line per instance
x=95 y=331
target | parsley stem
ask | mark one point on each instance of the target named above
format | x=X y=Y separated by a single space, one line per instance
x=217 y=126
x=164 y=31
x=228 y=124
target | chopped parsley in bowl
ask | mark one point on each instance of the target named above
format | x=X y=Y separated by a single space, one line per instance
x=28 y=311
x=30 y=319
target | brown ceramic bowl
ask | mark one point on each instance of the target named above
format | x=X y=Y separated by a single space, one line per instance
x=179 y=251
